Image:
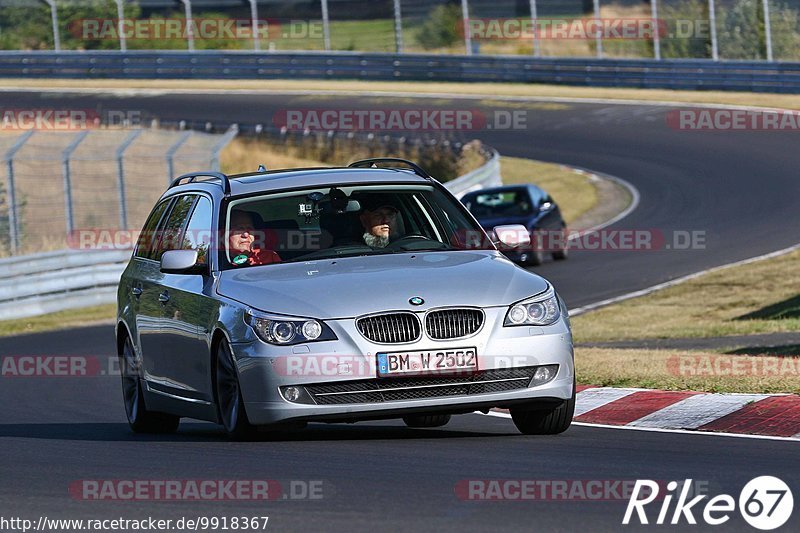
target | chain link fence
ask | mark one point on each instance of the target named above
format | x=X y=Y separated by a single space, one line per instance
x=58 y=183
x=661 y=29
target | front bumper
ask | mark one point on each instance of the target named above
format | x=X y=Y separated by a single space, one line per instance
x=351 y=360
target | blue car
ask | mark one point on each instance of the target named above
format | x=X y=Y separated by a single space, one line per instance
x=529 y=206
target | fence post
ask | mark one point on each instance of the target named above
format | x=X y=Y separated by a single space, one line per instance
x=656 y=29
x=398 y=27
x=598 y=22
x=712 y=21
x=535 y=26
x=187 y=11
x=767 y=30
x=326 y=25
x=13 y=216
x=123 y=207
x=54 y=19
x=65 y=157
x=171 y=153
x=232 y=132
x=254 y=24
x=123 y=45
x=467 y=35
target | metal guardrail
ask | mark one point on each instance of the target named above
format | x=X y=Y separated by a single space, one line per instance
x=695 y=74
x=54 y=281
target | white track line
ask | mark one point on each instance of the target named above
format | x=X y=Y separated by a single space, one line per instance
x=696 y=411
x=796 y=438
x=590 y=399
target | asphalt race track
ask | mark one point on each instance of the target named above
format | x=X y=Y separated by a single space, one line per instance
x=740 y=188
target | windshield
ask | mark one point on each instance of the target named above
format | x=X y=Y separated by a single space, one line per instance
x=499 y=204
x=331 y=222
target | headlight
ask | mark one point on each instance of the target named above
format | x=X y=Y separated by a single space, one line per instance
x=541 y=310
x=283 y=332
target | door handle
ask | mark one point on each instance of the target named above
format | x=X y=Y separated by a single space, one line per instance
x=163 y=297
x=136 y=291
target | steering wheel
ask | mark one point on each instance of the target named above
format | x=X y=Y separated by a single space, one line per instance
x=409 y=239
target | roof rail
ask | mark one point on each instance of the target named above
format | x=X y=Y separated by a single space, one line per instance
x=224 y=181
x=368 y=163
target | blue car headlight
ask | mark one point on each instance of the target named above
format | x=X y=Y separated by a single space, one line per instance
x=285 y=331
x=540 y=310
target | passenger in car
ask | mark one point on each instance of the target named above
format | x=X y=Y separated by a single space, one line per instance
x=380 y=221
x=241 y=241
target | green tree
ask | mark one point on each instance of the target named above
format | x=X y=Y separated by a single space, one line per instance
x=443 y=28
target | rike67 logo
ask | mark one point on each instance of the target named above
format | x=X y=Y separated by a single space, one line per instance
x=765 y=503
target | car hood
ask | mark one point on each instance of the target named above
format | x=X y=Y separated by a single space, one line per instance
x=350 y=287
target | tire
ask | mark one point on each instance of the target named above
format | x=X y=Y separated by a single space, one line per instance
x=561 y=254
x=545 y=421
x=426 y=421
x=228 y=394
x=139 y=418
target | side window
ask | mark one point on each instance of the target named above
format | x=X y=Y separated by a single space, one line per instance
x=146 y=238
x=198 y=231
x=171 y=233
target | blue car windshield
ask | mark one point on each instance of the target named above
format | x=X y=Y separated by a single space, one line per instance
x=332 y=222
x=499 y=204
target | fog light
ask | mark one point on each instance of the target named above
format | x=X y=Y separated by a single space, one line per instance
x=292 y=394
x=544 y=374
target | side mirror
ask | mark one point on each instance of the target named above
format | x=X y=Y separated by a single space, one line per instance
x=513 y=235
x=180 y=262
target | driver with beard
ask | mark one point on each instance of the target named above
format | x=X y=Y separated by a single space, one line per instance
x=380 y=221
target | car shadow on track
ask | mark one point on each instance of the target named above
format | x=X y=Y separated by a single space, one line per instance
x=198 y=432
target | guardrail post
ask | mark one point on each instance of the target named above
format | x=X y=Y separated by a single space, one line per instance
x=467 y=35
x=598 y=22
x=712 y=21
x=656 y=29
x=123 y=46
x=326 y=25
x=187 y=12
x=171 y=153
x=13 y=216
x=767 y=30
x=398 y=27
x=232 y=132
x=254 y=24
x=535 y=26
x=65 y=156
x=54 y=19
x=123 y=208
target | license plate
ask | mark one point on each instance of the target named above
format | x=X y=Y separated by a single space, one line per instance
x=428 y=362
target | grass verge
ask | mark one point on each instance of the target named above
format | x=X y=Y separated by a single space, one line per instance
x=759 y=297
x=788 y=101
x=681 y=370
x=573 y=192
x=85 y=316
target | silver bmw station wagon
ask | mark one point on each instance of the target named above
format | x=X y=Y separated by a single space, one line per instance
x=276 y=298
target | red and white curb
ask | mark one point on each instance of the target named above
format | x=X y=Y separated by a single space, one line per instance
x=764 y=415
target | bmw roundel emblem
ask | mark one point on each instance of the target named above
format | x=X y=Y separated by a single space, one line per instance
x=416 y=300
